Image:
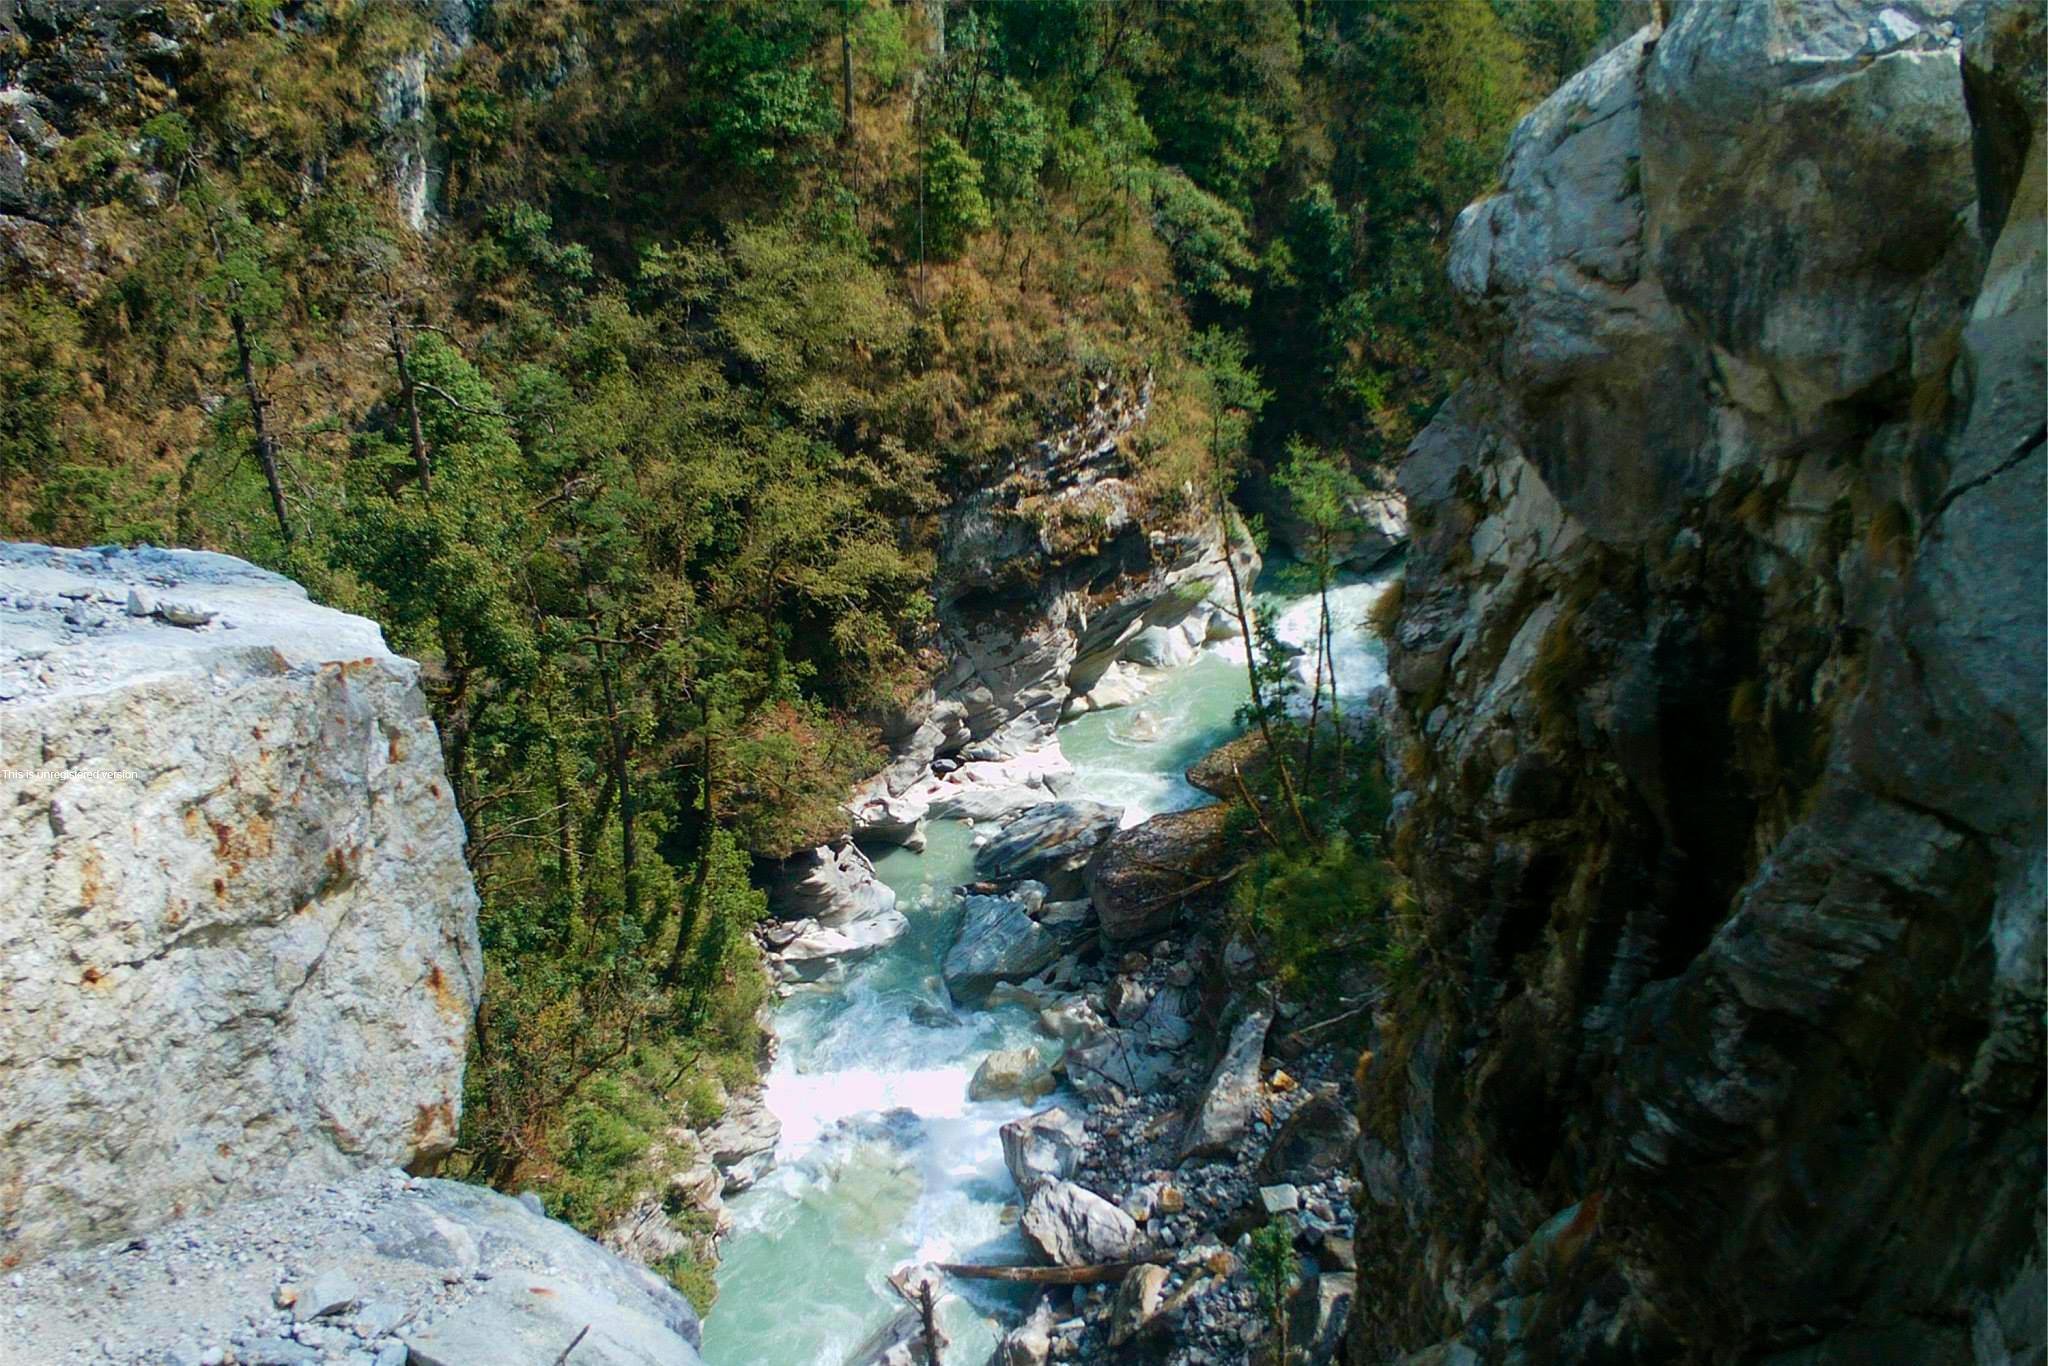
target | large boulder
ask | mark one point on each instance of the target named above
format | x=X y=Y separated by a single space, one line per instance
x=1313 y=1143
x=808 y=952
x=1049 y=843
x=1011 y=1073
x=1065 y=1225
x=834 y=884
x=1042 y=1147
x=1224 y=1114
x=1141 y=878
x=998 y=942
x=238 y=947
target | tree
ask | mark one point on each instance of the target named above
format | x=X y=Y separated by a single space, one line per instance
x=1322 y=492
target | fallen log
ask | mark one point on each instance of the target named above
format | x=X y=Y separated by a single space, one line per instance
x=1052 y=1275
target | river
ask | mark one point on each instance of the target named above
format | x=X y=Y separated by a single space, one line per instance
x=883 y=1160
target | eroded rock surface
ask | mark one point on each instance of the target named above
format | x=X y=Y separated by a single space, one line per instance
x=238 y=945
x=1719 y=675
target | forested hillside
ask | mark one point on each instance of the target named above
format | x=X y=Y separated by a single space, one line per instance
x=617 y=359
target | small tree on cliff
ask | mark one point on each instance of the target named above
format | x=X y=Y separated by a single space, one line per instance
x=1235 y=398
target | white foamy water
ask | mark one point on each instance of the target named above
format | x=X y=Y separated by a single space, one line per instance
x=883 y=1160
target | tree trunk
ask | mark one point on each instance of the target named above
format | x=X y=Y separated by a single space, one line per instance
x=411 y=398
x=846 y=70
x=266 y=444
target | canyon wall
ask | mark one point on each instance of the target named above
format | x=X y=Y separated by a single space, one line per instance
x=1718 y=716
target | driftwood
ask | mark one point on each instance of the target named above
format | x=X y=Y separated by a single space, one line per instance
x=1052 y=1275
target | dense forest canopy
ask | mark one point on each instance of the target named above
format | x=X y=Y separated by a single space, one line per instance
x=618 y=359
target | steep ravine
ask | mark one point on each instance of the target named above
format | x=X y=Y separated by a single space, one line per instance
x=885 y=1159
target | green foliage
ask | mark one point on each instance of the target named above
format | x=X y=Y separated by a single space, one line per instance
x=1273 y=1266
x=688 y=395
x=955 y=208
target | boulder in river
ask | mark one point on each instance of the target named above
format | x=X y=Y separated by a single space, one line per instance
x=1042 y=1147
x=820 y=953
x=1065 y=1225
x=998 y=942
x=1226 y=1109
x=1050 y=842
x=1011 y=1072
x=833 y=884
x=1137 y=877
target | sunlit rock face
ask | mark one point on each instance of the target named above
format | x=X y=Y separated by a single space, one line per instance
x=1718 y=703
x=238 y=946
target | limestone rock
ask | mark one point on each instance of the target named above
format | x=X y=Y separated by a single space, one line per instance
x=998 y=942
x=1225 y=1112
x=742 y=1143
x=1042 y=1147
x=1011 y=1072
x=1050 y=843
x=834 y=884
x=1065 y=1225
x=820 y=953
x=238 y=936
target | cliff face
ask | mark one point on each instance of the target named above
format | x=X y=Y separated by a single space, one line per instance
x=1718 y=707
x=1048 y=578
x=238 y=944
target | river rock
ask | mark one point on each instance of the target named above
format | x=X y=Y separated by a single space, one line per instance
x=1136 y=1303
x=1159 y=647
x=1073 y=1021
x=998 y=942
x=834 y=884
x=1011 y=1072
x=1030 y=1342
x=1119 y=1061
x=1042 y=1147
x=822 y=953
x=1313 y=1143
x=1050 y=842
x=1225 y=1111
x=1065 y=1225
x=1136 y=876
x=238 y=936
x=742 y=1143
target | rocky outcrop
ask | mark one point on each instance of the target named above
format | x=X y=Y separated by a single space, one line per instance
x=238 y=946
x=999 y=941
x=1050 y=843
x=377 y=1268
x=834 y=884
x=1373 y=531
x=1719 y=680
x=1047 y=574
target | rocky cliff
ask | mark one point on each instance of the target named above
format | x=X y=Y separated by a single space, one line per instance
x=239 y=938
x=1719 y=700
x=238 y=966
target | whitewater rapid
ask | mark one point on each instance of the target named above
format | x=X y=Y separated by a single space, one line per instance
x=883 y=1160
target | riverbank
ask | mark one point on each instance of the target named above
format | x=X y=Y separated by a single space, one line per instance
x=884 y=1159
